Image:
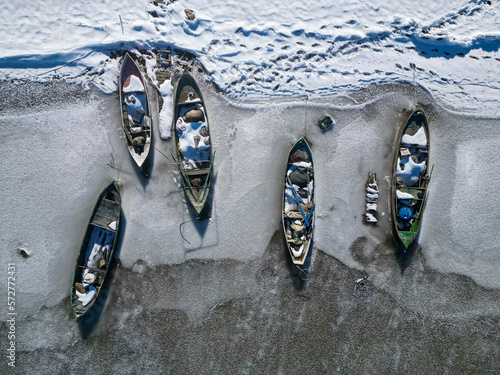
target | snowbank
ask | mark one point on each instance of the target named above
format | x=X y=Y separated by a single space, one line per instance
x=267 y=48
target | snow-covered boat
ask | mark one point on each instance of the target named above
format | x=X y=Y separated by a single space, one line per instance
x=192 y=138
x=96 y=252
x=298 y=201
x=410 y=178
x=136 y=118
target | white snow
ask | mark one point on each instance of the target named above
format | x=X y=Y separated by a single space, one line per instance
x=268 y=48
x=112 y=225
x=410 y=171
x=403 y=195
x=418 y=138
x=297 y=164
x=88 y=279
x=194 y=144
x=135 y=102
x=166 y=113
x=87 y=297
x=132 y=84
x=297 y=252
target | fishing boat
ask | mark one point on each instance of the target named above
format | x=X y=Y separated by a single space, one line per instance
x=298 y=201
x=136 y=118
x=410 y=178
x=326 y=122
x=96 y=252
x=193 y=146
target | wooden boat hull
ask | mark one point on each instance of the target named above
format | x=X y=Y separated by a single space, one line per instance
x=298 y=236
x=410 y=179
x=104 y=225
x=194 y=155
x=136 y=118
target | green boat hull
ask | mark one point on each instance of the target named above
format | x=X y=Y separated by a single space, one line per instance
x=409 y=191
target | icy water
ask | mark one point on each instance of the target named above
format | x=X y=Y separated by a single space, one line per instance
x=230 y=302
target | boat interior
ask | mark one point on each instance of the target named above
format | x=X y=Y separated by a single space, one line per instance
x=299 y=202
x=411 y=175
x=95 y=257
x=136 y=124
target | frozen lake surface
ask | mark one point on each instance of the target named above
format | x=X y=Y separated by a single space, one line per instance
x=230 y=302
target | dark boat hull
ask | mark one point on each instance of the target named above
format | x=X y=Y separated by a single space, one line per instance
x=196 y=173
x=298 y=245
x=408 y=188
x=136 y=119
x=104 y=223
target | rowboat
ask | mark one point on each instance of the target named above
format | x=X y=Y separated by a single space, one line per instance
x=192 y=137
x=410 y=178
x=136 y=118
x=298 y=201
x=96 y=252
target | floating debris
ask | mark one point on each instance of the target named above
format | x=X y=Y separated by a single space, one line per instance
x=371 y=198
x=25 y=253
x=325 y=122
x=362 y=281
x=363 y=289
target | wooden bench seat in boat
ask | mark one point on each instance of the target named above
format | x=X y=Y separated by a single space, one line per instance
x=194 y=172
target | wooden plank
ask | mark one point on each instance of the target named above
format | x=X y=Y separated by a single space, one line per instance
x=92 y=269
x=107 y=212
x=195 y=172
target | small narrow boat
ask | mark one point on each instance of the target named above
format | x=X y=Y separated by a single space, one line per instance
x=136 y=118
x=326 y=122
x=298 y=201
x=97 y=251
x=410 y=178
x=193 y=145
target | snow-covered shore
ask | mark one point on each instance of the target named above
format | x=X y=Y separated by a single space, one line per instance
x=268 y=49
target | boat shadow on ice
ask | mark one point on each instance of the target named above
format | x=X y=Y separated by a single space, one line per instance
x=89 y=321
x=200 y=222
x=299 y=275
x=404 y=256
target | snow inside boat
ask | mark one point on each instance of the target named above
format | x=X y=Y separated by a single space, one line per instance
x=192 y=136
x=97 y=251
x=135 y=111
x=411 y=178
x=298 y=201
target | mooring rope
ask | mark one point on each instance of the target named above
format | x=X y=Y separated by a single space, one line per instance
x=303 y=271
x=164 y=155
x=189 y=221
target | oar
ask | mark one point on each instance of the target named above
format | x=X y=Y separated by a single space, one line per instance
x=297 y=199
x=430 y=175
x=183 y=175
x=208 y=176
x=310 y=213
